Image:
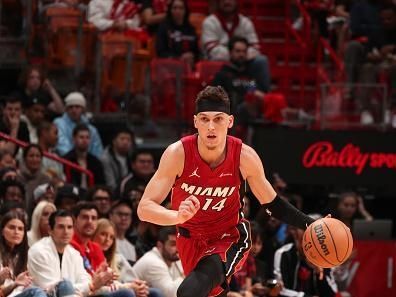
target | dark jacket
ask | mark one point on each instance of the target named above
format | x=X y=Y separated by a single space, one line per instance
x=236 y=81
x=93 y=164
x=298 y=277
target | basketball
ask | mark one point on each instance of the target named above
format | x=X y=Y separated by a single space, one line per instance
x=327 y=242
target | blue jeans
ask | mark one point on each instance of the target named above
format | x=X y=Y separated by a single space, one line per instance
x=64 y=288
x=120 y=293
x=154 y=292
x=258 y=68
x=32 y=292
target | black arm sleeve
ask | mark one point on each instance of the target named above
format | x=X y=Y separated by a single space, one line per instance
x=284 y=211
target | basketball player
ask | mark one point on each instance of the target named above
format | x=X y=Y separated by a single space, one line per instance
x=205 y=173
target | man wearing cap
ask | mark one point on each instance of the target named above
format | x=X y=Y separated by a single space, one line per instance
x=67 y=197
x=75 y=106
x=34 y=114
x=44 y=192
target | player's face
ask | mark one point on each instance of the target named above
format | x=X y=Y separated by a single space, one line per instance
x=213 y=127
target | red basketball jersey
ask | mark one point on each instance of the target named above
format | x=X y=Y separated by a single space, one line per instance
x=217 y=189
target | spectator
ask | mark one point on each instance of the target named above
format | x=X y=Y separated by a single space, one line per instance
x=252 y=277
x=12 y=125
x=105 y=237
x=368 y=37
x=31 y=174
x=34 y=115
x=117 y=15
x=161 y=267
x=349 y=207
x=8 y=173
x=217 y=30
x=14 y=256
x=40 y=223
x=102 y=197
x=241 y=84
x=47 y=140
x=66 y=276
x=153 y=12
x=176 y=37
x=75 y=107
x=121 y=216
x=12 y=190
x=81 y=156
x=7 y=160
x=142 y=165
x=116 y=157
x=86 y=220
x=44 y=192
x=34 y=83
x=8 y=206
x=298 y=276
x=67 y=196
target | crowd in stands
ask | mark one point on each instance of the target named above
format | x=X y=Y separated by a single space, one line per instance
x=74 y=239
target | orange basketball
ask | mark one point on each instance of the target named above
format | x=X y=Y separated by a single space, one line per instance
x=327 y=242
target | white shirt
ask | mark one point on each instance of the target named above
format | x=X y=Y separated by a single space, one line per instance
x=127 y=249
x=152 y=268
x=44 y=266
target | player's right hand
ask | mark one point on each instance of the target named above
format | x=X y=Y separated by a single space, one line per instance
x=187 y=209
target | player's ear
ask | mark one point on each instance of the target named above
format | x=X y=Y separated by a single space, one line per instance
x=195 y=122
x=231 y=121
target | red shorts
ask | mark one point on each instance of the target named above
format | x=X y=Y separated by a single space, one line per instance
x=232 y=246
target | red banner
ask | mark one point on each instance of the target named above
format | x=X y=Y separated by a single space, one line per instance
x=373 y=271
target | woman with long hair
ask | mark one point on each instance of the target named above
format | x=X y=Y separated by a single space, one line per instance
x=39 y=226
x=105 y=237
x=176 y=37
x=13 y=257
x=33 y=82
x=31 y=173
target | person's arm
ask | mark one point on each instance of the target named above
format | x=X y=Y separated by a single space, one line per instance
x=253 y=171
x=284 y=275
x=57 y=104
x=43 y=274
x=362 y=210
x=14 y=124
x=251 y=37
x=64 y=142
x=96 y=146
x=150 y=209
x=149 y=18
x=97 y=15
x=109 y=175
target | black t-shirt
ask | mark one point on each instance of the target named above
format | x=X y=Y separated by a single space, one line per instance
x=43 y=97
x=60 y=260
x=173 y=40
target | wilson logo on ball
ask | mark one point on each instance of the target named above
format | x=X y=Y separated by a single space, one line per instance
x=321 y=239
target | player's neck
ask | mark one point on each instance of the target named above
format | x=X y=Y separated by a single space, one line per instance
x=213 y=157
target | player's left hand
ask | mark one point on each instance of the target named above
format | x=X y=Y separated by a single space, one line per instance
x=187 y=209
